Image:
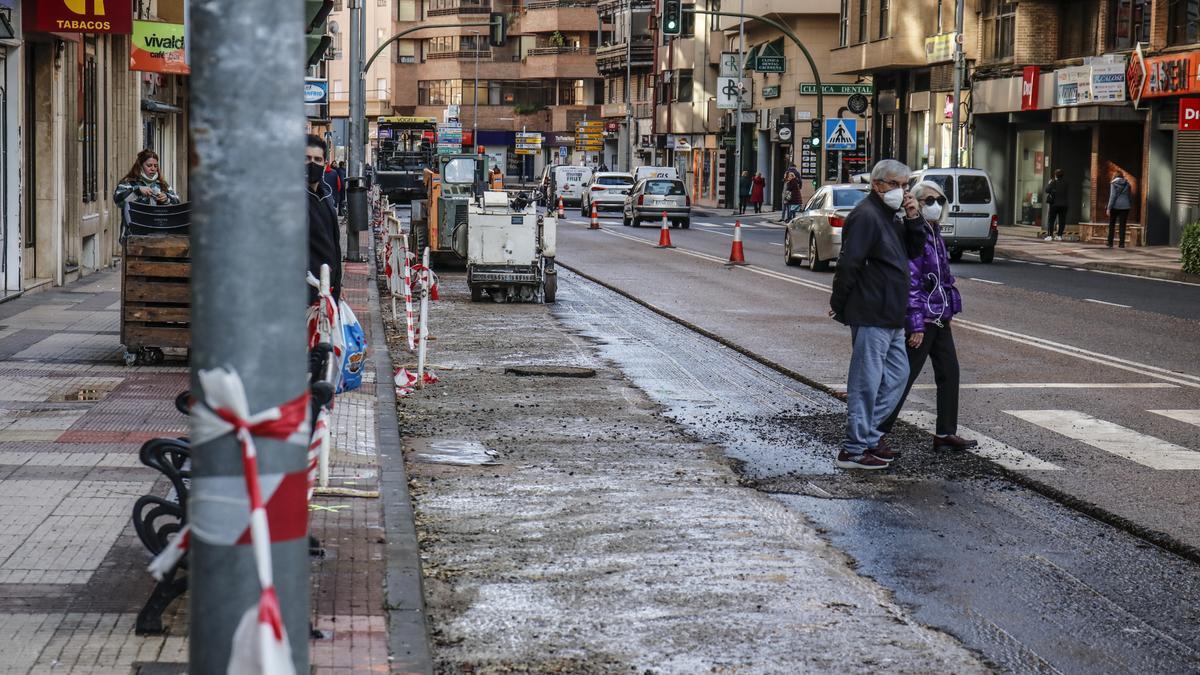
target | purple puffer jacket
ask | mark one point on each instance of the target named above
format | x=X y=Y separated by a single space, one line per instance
x=932 y=297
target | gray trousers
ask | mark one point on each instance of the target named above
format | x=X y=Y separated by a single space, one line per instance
x=874 y=385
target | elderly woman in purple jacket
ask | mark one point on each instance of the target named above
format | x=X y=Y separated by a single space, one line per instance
x=932 y=303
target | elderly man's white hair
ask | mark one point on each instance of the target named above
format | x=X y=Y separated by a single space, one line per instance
x=919 y=190
x=890 y=169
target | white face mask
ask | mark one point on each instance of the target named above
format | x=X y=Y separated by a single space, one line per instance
x=894 y=198
x=932 y=213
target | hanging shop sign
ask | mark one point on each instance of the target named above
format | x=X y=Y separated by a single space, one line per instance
x=729 y=92
x=940 y=48
x=770 y=58
x=79 y=16
x=771 y=91
x=1189 y=114
x=1091 y=83
x=1166 y=75
x=316 y=91
x=1030 y=76
x=158 y=47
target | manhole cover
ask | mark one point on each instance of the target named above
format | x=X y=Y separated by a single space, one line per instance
x=549 y=371
x=456 y=452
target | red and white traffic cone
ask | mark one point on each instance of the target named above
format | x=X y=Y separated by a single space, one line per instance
x=561 y=211
x=595 y=224
x=736 y=256
x=664 y=234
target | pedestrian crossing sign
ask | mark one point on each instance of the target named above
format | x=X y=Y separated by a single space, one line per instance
x=841 y=133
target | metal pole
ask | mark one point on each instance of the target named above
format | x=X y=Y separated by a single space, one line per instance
x=628 y=84
x=737 y=115
x=356 y=189
x=249 y=248
x=475 y=124
x=955 y=118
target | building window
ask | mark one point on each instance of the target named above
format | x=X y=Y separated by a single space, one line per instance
x=1130 y=23
x=380 y=36
x=1183 y=23
x=1077 y=36
x=862 y=20
x=381 y=88
x=381 y=3
x=885 y=8
x=683 y=86
x=687 y=28
x=844 y=24
x=999 y=21
x=338 y=5
x=90 y=125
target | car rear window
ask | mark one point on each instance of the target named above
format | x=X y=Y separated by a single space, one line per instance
x=974 y=190
x=846 y=199
x=943 y=181
x=664 y=187
x=614 y=180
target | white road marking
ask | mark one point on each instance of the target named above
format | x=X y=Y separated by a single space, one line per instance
x=1144 y=369
x=1134 y=276
x=1060 y=267
x=1148 y=451
x=723 y=234
x=987 y=281
x=1110 y=304
x=1191 y=417
x=775 y=243
x=989 y=448
x=841 y=386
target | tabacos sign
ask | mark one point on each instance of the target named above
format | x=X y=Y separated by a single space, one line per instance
x=157 y=47
x=79 y=16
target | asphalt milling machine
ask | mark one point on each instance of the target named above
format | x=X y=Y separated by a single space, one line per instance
x=507 y=246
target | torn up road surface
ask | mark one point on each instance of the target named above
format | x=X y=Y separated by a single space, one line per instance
x=566 y=526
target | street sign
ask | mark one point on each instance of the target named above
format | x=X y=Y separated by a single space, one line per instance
x=810 y=89
x=841 y=133
x=728 y=91
x=808 y=161
x=524 y=151
x=729 y=64
x=562 y=152
x=771 y=91
x=449 y=139
x=857 y=103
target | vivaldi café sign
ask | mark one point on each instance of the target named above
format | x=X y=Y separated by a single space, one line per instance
x=158 y=47
x=79 y=16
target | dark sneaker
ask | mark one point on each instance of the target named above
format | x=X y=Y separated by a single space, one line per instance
x=865 y=461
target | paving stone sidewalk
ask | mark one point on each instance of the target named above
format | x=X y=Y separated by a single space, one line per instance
x=72 y=571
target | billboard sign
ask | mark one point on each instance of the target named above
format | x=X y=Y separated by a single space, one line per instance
x=79 y=16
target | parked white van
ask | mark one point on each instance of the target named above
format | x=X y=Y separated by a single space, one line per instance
x=969 y=221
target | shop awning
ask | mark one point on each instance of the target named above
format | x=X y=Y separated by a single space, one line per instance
x=751 y=58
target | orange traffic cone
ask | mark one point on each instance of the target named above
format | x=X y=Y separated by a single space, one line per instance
x=736 y=256
x=561 y=211
x=664 y=234
x=595 y=224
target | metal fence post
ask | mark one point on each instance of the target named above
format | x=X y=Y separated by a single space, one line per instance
x=249 y=254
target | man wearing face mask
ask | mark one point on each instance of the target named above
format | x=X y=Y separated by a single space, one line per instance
x=324 y=237
x=870 y=294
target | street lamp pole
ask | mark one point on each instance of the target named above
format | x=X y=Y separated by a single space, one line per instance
x=356 y=189
x=959 y=64
x=628 y=83
x=737 y=114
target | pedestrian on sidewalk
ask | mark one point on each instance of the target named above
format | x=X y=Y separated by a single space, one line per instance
x=324 y=236
x=333 y=181
x=341 y=170
x=791 y=193
x=144 y=184
x=758 y=190
x=870 y=288
x=743 y=191
x=1119 y=203
x=933 y=300
x=1057 y=200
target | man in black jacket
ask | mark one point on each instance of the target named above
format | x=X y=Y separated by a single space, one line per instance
x=1057 y=199
x=870 y=294
x=324 y=237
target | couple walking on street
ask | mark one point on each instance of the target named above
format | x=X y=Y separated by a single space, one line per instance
x=894 y=288
x=1120 y=201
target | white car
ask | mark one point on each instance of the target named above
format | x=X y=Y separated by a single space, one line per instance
x=815 y=234
x=607 y=191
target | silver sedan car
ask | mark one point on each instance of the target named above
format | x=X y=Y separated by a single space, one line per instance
x=815 y=234
x=653 y=198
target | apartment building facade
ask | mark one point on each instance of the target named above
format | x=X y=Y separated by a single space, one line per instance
x=74 y=116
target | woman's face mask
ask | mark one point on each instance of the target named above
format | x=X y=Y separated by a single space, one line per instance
x=931 y=213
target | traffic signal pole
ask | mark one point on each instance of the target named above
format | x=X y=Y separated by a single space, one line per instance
x=356 y=188
x=787 y=32
x=249 y=250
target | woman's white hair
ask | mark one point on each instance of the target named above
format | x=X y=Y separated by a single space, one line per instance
x=919 y=190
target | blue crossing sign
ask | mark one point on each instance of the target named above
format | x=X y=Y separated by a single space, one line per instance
x=841 y=133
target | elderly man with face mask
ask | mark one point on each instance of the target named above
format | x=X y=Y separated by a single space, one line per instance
x=870 y=294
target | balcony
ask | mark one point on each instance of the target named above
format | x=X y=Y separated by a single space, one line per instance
x=611 y=59
x=611 y=7
x=612 y=110
x=463 y=8
x=462 y=55
x=559 y=62
x=547 y=16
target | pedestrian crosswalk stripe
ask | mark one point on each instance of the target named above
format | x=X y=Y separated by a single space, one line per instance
x=988 y=448
x=1148 y=451
x=1187 y=416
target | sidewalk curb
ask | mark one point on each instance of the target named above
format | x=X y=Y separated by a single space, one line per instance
x=1148 y=272
x=404 y=599
x=1155 y=537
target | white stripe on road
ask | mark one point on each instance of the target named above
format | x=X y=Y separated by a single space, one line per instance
x=841 y=386
x=989 y=448
x=987 y=281
x=1144 y=369
x=1148 y=451
x=1191 y=417
x=775 y=243
x=1110 y=304
x=723 y=234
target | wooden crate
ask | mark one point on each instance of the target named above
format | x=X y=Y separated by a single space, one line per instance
x=155 y=296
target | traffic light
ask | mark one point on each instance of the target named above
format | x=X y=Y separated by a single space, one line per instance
x=784 y=129
x=316 y=42
x=672 y=18
x=815 y=132
x=497 y=29
x=815 y=141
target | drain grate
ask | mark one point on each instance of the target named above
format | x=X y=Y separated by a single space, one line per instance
x=549 y=371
